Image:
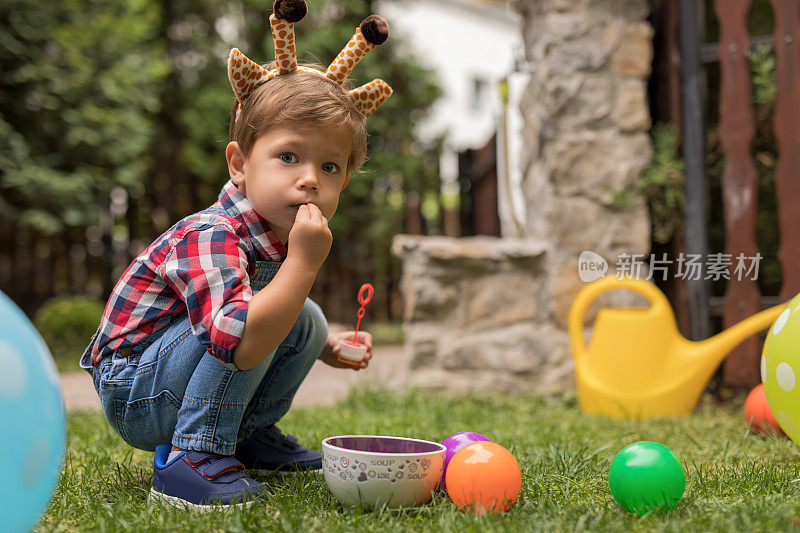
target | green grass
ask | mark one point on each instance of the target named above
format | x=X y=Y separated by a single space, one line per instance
x=736 y=481
x=386 y=333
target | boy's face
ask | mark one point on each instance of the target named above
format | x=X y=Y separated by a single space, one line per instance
x=289 y=165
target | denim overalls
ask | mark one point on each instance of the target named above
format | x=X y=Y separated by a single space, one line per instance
x=171 y=390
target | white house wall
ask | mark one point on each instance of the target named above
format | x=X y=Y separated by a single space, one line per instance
x=463 y=41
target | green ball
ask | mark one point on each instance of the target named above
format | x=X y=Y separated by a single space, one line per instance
x=645 y=477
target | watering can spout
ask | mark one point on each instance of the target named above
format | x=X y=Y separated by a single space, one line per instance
x=714 y=349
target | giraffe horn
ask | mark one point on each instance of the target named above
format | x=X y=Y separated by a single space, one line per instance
x=283 y=37
x=284 y=14
x=244 y=74
x=372 y=31
x=370 y=96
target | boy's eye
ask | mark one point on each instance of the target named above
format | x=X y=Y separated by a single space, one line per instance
x=330 y=167
x=288 y=157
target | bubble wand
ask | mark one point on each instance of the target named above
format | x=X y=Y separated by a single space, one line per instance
x=364 y=297
x=352 y=352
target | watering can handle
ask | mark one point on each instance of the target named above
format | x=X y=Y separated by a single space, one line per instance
x=577 y=312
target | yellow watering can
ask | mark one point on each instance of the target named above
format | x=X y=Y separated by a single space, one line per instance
x=637 y=364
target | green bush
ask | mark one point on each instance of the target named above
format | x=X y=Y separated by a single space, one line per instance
x=67 y=323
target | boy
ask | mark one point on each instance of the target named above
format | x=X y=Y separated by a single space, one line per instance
x=209 y=332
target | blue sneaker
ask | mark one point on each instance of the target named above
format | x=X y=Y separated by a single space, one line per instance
x=268 y=450
x=202 y=480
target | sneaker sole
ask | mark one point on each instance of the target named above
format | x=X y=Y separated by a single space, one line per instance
x=180 y=503
x=287 y=472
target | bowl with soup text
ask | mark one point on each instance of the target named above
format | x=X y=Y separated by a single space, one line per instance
x=374 y=470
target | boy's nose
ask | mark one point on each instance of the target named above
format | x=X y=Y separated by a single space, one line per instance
x=308 y=180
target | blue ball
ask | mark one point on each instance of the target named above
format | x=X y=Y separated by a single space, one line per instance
x=32 y=421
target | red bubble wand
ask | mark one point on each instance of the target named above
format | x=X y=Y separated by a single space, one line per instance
x=364 y=297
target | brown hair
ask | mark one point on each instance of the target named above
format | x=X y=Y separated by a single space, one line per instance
x=299 y=97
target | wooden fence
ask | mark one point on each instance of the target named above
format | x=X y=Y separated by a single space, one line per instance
x=477 y=171
x=680 y=58
x=35 y=267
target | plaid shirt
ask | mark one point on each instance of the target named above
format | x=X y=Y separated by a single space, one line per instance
x=200 y=266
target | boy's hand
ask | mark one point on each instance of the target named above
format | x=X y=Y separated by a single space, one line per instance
x=310 y=238
x=332 y=348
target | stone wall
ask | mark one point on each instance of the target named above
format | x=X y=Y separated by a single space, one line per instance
x=587 y=119
x=476 y=314
x=484 y=313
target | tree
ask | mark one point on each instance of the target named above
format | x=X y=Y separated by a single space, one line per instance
x=133 y=95
x=78 y=96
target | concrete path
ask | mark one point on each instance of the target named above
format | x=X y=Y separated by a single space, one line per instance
x=323 y=386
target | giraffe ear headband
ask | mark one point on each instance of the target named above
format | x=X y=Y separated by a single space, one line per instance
x=245 y=75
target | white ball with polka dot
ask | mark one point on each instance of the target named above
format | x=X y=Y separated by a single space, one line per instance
x=32 y=421
x=780 y=364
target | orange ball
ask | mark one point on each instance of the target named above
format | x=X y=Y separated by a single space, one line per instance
x=758 y=414
x=483 y=476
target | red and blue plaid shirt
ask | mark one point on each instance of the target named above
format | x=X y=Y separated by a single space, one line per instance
x=200 y=266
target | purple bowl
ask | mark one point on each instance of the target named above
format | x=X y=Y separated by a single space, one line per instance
x=375 y=444
x=456 y=441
